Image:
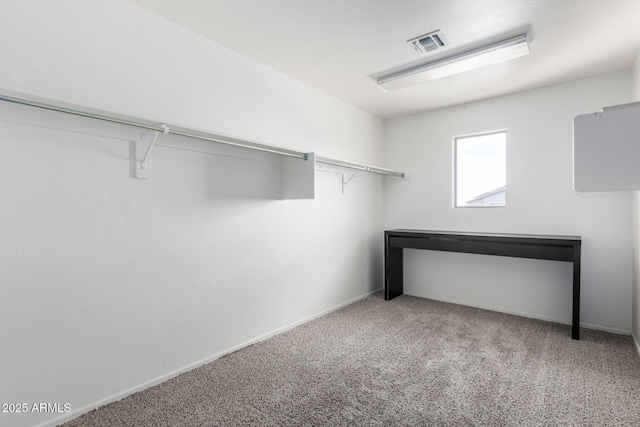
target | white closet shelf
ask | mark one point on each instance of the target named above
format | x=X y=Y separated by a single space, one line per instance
x=162 y=128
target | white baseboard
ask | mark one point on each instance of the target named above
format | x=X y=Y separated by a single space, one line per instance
x=530 y=315
x=635 y=340
x=605 y=328
x=118 y=396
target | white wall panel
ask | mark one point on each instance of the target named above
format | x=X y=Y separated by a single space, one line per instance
x=635 y=293
x=108 y=282
x=606 y=149
x=540 y=200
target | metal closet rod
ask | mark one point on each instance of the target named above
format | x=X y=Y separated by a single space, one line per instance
x=128 y=121
x=359 y=166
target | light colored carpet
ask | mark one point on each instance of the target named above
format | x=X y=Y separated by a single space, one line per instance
x=409 y=362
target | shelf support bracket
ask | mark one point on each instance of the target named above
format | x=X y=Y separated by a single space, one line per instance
x=142 y=166
x=345 y=183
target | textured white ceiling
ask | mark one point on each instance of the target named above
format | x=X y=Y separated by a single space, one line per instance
x=337 y=45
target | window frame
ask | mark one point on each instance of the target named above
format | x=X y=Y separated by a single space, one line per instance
x=455 y=166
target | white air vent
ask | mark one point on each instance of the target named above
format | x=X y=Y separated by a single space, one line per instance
x=429 y=42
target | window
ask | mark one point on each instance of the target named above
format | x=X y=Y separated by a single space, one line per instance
x=480 y=170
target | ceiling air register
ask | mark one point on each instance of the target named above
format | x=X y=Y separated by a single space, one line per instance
x=429 y=42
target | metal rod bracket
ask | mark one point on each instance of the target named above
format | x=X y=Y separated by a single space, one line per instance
x=345 y=183
x=142 y=166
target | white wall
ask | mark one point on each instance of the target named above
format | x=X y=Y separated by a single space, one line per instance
x=540 y=200
x=636 y=226
x=109 y=282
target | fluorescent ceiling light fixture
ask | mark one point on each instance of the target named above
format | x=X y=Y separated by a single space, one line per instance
x=493 y=53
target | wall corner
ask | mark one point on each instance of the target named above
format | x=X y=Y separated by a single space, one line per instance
x=635 y=215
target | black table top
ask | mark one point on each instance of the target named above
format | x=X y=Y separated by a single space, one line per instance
x=409 y=232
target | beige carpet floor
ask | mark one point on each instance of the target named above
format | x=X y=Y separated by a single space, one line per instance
x=406 y=362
